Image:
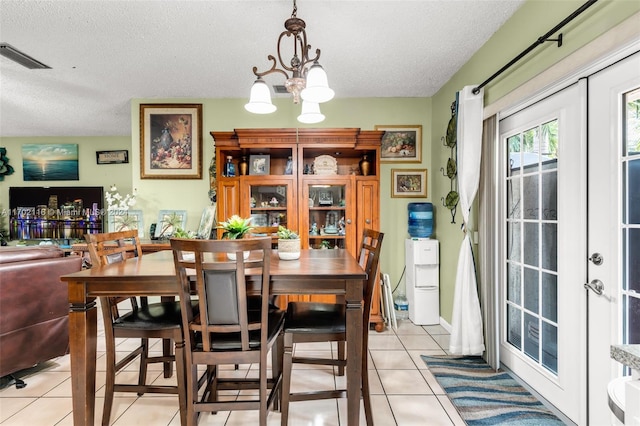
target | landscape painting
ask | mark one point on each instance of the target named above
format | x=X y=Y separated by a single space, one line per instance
x=50 y=162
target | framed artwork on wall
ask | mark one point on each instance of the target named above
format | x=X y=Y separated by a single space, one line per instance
x=406 y=183
x=170 y=141
x=50 y=162
x=401 y=143
x=112 y=157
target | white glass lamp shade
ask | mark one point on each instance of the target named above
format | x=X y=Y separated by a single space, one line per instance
x=317 y=88
x=260 y=100
x=310 y=113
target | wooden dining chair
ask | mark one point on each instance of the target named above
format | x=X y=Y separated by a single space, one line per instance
x=226 y=331
x=264 y=231
x=131 y=317
x=326 y=322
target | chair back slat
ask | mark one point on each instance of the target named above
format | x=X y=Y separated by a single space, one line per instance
x=221 y=288
x=113 y=247
x=369 y=259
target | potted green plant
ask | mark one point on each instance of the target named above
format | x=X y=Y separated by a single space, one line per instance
x=288 y=244
x=236 y=228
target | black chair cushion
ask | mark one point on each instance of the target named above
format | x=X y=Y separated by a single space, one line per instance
x=314 y=317
x=154 y=316
x=231 y=341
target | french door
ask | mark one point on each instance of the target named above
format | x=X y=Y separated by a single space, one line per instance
x=570 y=284
x=614 y=224
x=544 y=213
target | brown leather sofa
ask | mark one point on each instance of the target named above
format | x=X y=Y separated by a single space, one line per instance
x=34 y=305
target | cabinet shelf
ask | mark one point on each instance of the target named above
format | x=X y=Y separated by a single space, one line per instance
x=326 y=237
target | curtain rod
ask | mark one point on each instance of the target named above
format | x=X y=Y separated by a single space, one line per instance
x=538 y=42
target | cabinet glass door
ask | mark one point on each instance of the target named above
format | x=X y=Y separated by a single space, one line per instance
x=328 y=216
x=268 y=205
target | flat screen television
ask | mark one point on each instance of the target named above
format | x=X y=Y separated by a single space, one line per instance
x=31 y=197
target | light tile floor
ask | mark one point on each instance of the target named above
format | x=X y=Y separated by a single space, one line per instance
x=403 y=390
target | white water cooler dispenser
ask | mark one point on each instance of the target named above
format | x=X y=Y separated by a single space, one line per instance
x=423 y=280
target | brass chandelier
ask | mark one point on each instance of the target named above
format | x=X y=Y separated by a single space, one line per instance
x=305 y=77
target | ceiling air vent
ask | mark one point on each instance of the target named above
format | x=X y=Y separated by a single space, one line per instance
x=23 y=59
x=279 y=88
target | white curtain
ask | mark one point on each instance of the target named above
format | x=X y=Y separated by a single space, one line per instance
x=466 y=324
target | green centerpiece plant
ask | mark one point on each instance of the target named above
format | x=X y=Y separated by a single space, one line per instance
x=236 y=228
x=288 y=244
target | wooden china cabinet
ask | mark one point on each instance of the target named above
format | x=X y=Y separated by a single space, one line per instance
x=309 y=180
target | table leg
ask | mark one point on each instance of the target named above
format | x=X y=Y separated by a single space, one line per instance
x=353 y=299
x=82 y=348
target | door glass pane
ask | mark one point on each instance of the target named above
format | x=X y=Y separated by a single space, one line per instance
x=514 y=326
x=530 y=197
x=531 y=150
x=550 y=196
x=531 y=299
x=550 y=346
x=514 y=204
x=531 y=335
x=631 y=260
x=531 y=247
x=634 y=320
x=513 y=241
x=550 y=246
x=632 y=191
x=549 y=300
x=515 y=281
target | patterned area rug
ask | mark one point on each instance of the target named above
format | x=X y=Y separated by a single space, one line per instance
x=484 y=396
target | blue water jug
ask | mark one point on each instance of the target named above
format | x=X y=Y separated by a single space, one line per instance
x=420 y=220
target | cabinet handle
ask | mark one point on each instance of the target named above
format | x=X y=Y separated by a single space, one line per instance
x=349 y=221
x=368 y=221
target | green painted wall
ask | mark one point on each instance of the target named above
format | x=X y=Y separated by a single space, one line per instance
x=532 y=20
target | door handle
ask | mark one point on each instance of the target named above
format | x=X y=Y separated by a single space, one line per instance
x=596 y=286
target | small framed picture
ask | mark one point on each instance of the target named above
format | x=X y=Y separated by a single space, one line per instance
x=401 y=144
x=112 y=157
x=259 y=165
x=168 y=221
x=207 y=221
x=126 y=220
x=406 y=183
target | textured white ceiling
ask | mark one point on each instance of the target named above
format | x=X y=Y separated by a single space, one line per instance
x=103 y=53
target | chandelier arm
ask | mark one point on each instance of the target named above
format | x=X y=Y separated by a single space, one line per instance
x=302 y=38
x=271 y=70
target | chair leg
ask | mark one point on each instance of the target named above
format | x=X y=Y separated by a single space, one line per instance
x=276 y=368
x=167 y=351
x=144 y=354
x=110 y=381
x=287 y=365
x=366 y=397
x=181 y=379
x=342 y=355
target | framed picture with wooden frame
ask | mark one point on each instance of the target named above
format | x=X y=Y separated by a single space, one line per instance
x=408 y=183
x=171 y=141
x=401 y=143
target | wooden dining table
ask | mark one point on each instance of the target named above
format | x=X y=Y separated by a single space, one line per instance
x=333 y=272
